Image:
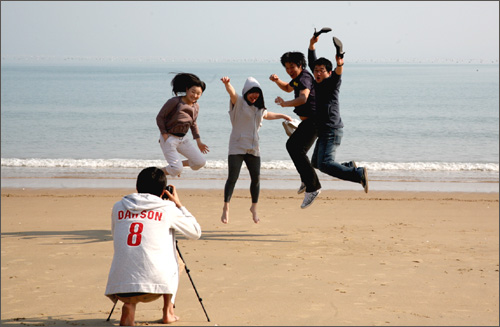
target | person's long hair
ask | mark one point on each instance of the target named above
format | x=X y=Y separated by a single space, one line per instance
x=260 y=101
x=183 y=81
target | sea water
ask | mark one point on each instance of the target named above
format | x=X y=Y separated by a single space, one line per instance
x=92 y=123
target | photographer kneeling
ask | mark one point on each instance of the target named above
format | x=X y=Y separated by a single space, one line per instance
x=145 y=264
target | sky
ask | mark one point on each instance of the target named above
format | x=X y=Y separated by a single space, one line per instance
x=217 y=30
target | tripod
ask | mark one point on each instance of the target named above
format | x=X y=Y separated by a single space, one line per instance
x=194 y=287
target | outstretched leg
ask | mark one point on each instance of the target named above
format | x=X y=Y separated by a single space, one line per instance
x=297 y=146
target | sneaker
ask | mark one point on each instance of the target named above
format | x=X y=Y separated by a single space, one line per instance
x=364 y=180
x=339 y=47
x=290 y=126
x=309 y=198
x=302 y=188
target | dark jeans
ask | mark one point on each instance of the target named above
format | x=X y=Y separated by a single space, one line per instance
x=324 y=157
x=297 y=146
x=235 y=162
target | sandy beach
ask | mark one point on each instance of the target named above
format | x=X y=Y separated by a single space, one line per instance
x=382 y=258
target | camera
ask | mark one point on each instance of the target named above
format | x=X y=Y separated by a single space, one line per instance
x=170 y=189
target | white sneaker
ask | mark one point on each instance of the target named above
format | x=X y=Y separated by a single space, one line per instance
x=364 y=180
x=302 y=188
x=290 y=126
x=309 y=198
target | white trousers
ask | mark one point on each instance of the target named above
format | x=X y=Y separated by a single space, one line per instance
x=175 y=146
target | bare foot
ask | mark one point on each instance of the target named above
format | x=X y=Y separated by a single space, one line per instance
x=128 y=314
x=253 y=210
x=225 y=213
x=170 y=319
x=169 y=316
x=166 y=173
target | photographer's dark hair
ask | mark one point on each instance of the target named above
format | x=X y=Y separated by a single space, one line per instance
x=297 y=58
x=324 y=62
x=183 y=81
x=260 y=101
x=151 y=180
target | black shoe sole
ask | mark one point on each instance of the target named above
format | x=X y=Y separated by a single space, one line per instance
x=323 y=30
x=339 y=47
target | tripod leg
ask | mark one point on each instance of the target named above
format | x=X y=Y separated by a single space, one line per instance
x=191 y=280
x=112 y=309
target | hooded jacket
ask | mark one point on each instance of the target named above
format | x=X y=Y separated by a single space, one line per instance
x=145 y=257
x=246 y=121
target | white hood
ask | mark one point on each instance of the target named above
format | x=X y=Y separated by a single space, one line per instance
x=250 y=83
x=138 y=202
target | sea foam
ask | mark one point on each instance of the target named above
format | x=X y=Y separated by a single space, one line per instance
x=222 y=164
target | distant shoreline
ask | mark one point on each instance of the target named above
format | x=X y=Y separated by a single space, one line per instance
x=67 y=59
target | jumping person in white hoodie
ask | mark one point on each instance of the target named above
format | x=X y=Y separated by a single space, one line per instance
x=145 y=265
x=246 y=112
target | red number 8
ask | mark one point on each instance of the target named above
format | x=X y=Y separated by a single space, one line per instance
x=138 y=236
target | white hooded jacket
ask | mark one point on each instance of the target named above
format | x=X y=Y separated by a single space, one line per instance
x=246 y=121
x=145 y=258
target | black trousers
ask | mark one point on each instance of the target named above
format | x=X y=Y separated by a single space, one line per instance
x=297 y=146
x=235 y=162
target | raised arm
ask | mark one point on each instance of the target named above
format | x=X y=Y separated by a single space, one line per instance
x=311 y=53
x=340 y=65
x=230 y=89
x=281 y=84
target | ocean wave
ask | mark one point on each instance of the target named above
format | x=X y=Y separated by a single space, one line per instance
x=222 y=164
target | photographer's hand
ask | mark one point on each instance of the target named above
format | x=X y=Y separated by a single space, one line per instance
x=174 y=197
